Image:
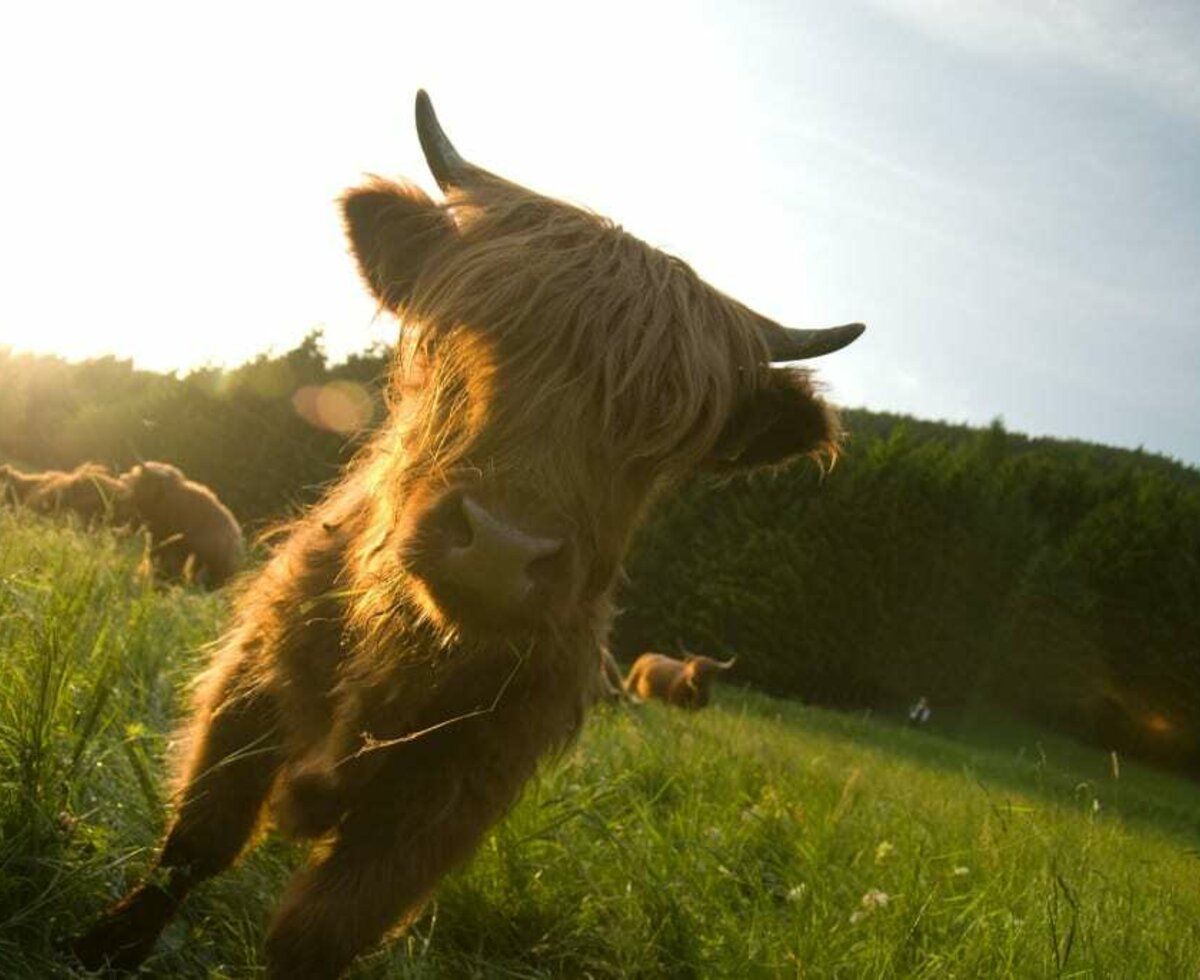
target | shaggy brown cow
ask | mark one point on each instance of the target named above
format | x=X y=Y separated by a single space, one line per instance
x=89 y=490
x=431 y=630
x=684 y=683
x=187 y=524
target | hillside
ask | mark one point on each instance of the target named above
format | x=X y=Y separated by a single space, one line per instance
x=980 y=568
x=760 y=837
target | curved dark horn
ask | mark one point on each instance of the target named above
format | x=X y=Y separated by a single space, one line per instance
x=449 y=169
x=788 y=344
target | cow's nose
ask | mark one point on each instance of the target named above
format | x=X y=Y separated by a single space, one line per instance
x=501 y=564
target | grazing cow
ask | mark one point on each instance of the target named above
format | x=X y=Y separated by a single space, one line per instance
x=432 y=628
x=189 y=527
x=684 y=683
x=90 y=490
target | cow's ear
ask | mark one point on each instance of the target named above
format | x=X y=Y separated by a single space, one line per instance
x=783 y=418
x=394 y=230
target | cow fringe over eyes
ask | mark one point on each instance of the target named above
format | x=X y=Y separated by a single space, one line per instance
x=554 y=299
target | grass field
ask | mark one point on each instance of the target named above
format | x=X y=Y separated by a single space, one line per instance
x=758 y=838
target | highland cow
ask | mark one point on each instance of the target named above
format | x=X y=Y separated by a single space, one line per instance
x=684 y=683
x=89 y=491
x=431 y=629
x=191 y=531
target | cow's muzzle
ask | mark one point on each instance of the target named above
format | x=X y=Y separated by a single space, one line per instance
x=483 y=564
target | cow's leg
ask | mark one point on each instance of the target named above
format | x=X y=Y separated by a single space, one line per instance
x=170 y=558
x=234 y=758
x=314 y=795
x=380 y=870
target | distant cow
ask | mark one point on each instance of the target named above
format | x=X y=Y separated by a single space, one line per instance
x=434 y=626
x=684 y=683
x=188 y=525
x=89 y=490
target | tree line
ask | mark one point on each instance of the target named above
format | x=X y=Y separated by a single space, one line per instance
x=978 y=568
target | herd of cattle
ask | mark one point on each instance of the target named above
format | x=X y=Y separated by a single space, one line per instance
x=194 y=536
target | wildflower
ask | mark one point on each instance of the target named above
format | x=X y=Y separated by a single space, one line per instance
x=883 y=851
x=875 y=899
x=796 y=892
x=872 y=900
x=961 y=871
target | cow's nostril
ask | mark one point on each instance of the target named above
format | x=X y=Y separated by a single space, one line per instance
x=492 y=535
x=450 y=522
x=500 y=563
x=548 y=568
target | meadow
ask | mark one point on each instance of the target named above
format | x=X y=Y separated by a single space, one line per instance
x=758 y=838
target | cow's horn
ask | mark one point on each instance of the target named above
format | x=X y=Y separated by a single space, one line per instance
x=726 y=664
x=449 y=169
x=789 y=344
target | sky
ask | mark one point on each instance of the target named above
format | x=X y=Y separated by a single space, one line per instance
x=1007 y=193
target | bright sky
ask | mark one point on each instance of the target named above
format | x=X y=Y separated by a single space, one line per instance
x=1008 y=193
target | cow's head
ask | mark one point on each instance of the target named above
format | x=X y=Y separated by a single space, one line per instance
x=148 y=483
x=553 y=372
x=697 y=676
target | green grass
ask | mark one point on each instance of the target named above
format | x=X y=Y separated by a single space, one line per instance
x=752 y=839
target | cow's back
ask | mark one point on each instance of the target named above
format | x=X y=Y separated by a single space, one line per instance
x=651 y=675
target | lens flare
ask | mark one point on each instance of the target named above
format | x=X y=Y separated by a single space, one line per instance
x=340 y=406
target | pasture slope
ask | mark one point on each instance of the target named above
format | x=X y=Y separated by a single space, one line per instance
x=757 y=838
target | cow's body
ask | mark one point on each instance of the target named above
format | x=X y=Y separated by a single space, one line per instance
x=435 y=626
x=684 y=683
x=90 y=491
x=188 y=524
